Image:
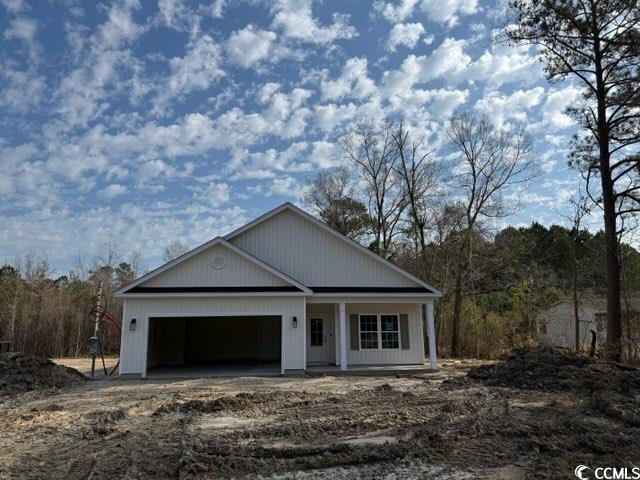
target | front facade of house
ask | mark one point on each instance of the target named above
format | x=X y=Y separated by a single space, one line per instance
x=284 y=290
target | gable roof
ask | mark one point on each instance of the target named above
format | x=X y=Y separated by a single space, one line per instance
x=133 y=287
x=431 y=291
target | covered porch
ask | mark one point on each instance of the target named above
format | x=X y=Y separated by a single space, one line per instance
x=369 y=335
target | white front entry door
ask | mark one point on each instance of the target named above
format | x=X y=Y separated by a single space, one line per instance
x=320 y=342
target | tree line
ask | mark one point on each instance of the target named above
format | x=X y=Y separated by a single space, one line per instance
x=51 y=316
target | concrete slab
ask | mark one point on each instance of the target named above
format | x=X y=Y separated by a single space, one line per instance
x=221 y=370
x=370 y=369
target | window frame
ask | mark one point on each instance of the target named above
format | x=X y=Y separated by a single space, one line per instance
x=311 y=332
x=379 y=332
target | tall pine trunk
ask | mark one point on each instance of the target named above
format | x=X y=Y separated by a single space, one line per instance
x=614 y=320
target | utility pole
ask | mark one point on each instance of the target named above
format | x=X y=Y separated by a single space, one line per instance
x=96 y=324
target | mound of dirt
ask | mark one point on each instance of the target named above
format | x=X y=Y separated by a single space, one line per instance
x=556 y=369
x=20 y=372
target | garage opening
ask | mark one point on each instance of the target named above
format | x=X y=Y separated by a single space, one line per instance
x=214 y=346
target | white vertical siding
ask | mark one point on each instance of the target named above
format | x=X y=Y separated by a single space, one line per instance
x=414 y=355
x=560 y=323
x=133 y=346
x=315 y=257
x=198 y=272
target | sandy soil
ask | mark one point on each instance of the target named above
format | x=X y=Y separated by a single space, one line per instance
x=441 y=426
x=83 y=364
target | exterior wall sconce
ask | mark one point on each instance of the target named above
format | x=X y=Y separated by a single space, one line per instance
x=132 y=325
x=295 y=322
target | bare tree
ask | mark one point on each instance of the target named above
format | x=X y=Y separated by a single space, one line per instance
x=581 y=207
x=493 y=161
x=419 y=176
x=597 y=44
x=174 y=250
x=332 y=195
x=371 y=148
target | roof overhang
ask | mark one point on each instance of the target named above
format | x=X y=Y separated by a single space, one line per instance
x=212 y=294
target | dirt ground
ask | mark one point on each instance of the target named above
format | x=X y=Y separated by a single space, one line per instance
x=442 y=426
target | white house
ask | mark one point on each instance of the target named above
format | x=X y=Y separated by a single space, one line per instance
x=284 y=288
x=556 y=325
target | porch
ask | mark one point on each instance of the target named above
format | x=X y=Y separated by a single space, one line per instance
x=366 y=335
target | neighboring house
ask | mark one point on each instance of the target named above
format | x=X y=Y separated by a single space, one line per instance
x=556 y=325
x=284 y=288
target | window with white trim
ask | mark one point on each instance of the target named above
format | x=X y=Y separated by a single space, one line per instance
x=379 y=331
x=368 y=332
x=390 y=331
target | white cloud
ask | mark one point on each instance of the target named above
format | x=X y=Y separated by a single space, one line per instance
x=444 y=102
x=503 y=64
x=557 y=102
x=448 y=11
x=396 y=12
x=269 y=163
x=284 y=187
x=198 y=69
x=295 y=19
x=13 y=6
x=21 y=28
x=212 y=194
x=330 y=116
x=448 y=60
x=325 y=154
x=267 y=90
x=406 y=34
x=284 y=117
x=176 y=14
x=250 y=45
x=217 y=8
x=106 y=69
x=156 y=169
x=22 y=90
x=353 y=82
x=120 y=26
x=501 y=108
x=112 y=190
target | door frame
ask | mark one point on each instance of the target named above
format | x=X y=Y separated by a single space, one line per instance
x=326 y=340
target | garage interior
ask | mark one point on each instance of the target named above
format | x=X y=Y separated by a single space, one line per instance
x=214 y=346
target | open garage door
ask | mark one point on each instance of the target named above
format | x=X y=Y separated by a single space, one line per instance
x=201 y=346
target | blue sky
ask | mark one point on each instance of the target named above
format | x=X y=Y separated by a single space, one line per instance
x=138 y=123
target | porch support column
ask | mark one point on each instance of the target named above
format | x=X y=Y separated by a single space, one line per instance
x=431 y=331
x=343 y=337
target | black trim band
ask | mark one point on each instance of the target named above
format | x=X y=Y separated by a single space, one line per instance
x=370 y=290
x=212 y=289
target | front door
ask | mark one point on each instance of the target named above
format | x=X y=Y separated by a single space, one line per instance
x=319 y=339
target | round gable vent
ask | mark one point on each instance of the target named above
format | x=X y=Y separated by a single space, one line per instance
x=218 y=262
